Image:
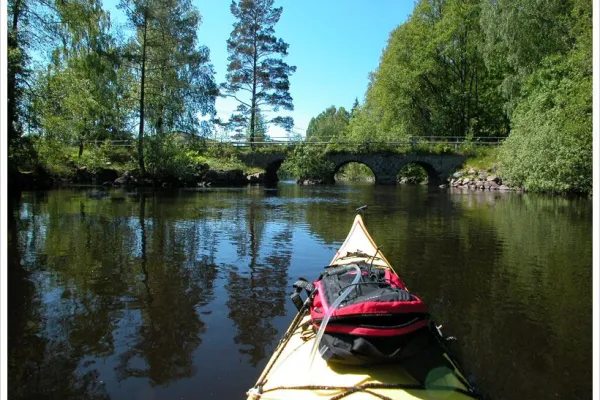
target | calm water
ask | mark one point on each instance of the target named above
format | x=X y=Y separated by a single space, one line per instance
x=181 y=295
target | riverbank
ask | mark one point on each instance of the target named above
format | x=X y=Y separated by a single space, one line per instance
x=112 y=177
x=481 y=172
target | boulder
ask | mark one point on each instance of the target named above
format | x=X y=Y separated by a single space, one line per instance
x=466 y=181
x=457 y=174
x=503 y=188
x=492 y=178
x=471 y=171
x=125 y=179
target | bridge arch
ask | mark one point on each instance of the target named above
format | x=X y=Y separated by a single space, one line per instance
x=433 y=177
x=339 y=166
x=385 y=166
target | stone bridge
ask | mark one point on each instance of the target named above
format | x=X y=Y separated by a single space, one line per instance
x=385 y=166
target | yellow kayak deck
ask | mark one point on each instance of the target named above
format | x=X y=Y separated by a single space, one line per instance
x=290 y=374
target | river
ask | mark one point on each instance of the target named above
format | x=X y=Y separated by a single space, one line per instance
x=184 y=294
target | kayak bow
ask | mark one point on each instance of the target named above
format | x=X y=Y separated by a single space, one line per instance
x=431 y=374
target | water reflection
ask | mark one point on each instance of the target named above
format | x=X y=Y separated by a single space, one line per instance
x=170 y=327
x=165 y=293
x=257 y=293
x=44 y=347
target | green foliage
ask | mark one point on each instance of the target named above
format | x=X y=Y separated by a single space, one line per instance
x=483 y=158
x=23 y=154
x=519 y=35
x=79 y=96
x=464 y=68
x=260 y=131
x=330 y=125
x=354 y=172
x=550 y=147
x=106 y=155
x=308 y=162
x=17 y=60
x=431 y=80
x=54 y=157
x=170 y=158
x=178 y=77
x=412 y=173
x=174 y=80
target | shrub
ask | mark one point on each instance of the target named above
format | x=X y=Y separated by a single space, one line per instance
x=306 y=162
x=54 y=157
x=169 y=158
x=550 y=146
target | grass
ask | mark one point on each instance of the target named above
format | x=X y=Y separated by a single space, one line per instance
x=231 y=163
x=485 y=158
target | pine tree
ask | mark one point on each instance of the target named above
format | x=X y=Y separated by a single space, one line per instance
x=256 y=68
x=260 y=129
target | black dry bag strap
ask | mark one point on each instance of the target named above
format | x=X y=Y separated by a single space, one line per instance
x=301 y=284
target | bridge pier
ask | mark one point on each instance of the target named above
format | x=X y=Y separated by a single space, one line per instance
x=385 y=179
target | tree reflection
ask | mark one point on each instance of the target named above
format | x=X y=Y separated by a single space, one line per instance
x=257 y=293
x=42 y=359
x=170 y=328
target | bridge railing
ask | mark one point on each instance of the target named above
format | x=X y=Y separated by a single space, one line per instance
x=455 y=141
x=410 y=141
x=115 y=143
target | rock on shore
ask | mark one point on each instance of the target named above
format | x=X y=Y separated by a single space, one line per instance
x=478 y=180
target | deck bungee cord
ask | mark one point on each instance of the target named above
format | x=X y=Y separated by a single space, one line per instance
x=366 y=386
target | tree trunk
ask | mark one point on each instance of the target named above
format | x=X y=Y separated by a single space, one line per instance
x=253 y=104
x=80 y=147
x=142 y=90
x=11 y=107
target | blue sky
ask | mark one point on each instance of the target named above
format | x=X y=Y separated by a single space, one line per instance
x=334 y=44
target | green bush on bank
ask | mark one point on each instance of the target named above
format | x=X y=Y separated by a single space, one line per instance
x=307 y=162
x=53 y=157
x=550 y=146
x=167 y=157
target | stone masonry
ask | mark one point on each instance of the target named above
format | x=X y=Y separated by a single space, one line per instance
x=385 y=167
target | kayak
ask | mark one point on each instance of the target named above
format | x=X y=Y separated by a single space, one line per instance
x=292 y=373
